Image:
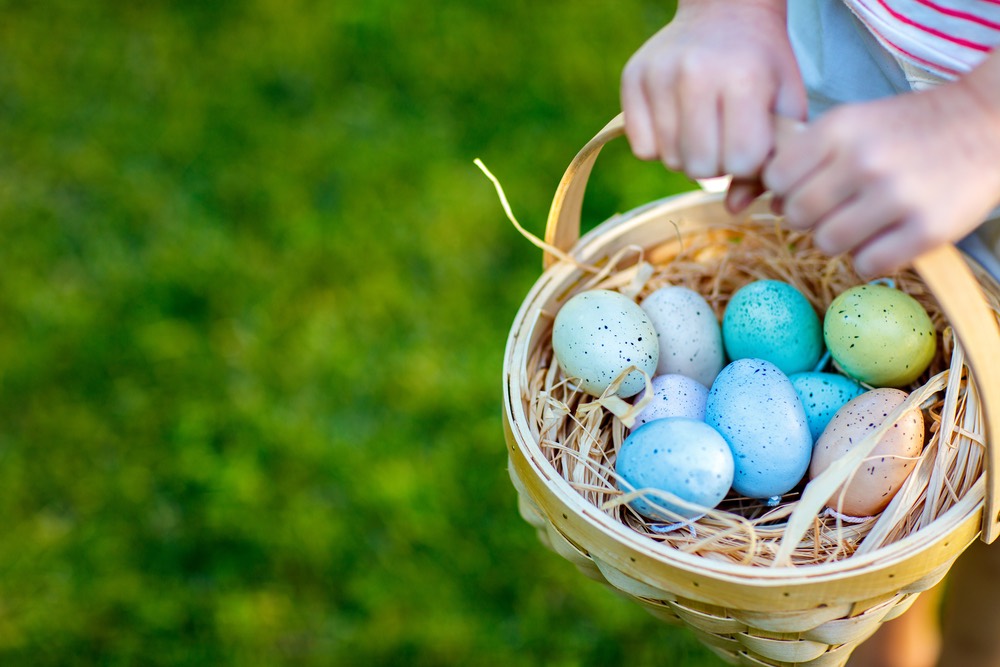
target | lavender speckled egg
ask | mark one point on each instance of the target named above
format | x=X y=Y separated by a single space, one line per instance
x=684 y=457
x=673 y=396
x=755 y=408
x=884 y=471
x=689 y=333
x=597 y=335
x=772 y=320
x=822 y=394
x=880 y=335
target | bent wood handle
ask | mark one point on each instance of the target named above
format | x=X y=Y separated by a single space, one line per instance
x=942 y=269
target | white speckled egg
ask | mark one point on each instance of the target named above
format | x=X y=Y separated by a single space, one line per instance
x=597 y=335
x=689 y=333
x=673 y=396
x=883 y=472
x=772 y=320
x=684 y=457
x=822 y=394
x=880 y=335
x=755 y=408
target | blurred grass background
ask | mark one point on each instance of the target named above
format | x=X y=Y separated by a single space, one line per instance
x=253 y=302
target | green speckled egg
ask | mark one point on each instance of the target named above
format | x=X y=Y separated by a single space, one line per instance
x=597 y=335
x=772 y=320
x=879 y=335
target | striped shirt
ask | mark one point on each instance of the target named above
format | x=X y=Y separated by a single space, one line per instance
x=944 y=37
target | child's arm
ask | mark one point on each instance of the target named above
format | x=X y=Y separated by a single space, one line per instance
x=700 y=93
x=890 y=179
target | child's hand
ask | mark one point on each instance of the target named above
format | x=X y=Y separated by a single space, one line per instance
x=890 y=179
x=699 y=95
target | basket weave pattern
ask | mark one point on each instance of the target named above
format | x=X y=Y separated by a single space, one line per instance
x=717 y=579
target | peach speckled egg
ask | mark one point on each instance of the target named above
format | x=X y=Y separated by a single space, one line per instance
x=883 y=472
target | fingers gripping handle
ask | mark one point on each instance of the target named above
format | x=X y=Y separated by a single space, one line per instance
x=943 y=269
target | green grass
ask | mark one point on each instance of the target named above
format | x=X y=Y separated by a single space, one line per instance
x=253 y=301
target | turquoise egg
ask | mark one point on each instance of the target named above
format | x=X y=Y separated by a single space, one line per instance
x=685 y=457
x=755 y=408
x=822 y=394
x=772 y=320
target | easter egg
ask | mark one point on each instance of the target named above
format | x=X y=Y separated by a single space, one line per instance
x=688 y=333
x=755 y=408
x=822 y=394
x=879 y=335
x=884 y=470
x=597 y=335
x=684 y=457
x=772 y=320
x=674 y=396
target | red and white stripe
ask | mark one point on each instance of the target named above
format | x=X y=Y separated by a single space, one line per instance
x=945 y=37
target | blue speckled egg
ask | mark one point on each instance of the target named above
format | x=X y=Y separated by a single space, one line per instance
x=673 y=396
x=755 y=408
x=772 y=320
x=822 y=394
x=684 y=457
x=597 y=335
x=688 y=331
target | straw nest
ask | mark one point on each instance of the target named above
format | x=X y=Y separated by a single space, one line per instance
x=581 y=435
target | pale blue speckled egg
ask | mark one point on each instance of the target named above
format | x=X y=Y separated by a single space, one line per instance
x=673 y=396
x=689 y=333
x=600 y=333
x=684 y=457
x=755 y=408
x=822 y=394
x=772 y=320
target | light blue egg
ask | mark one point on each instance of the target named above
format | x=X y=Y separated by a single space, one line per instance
x=673 y=396
x=822 y=394
x=755 y=408
x=772 y=320
x=684 y=457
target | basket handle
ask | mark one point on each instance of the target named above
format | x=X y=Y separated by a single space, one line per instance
x=942 y=269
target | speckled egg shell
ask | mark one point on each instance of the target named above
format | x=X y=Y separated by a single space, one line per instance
x=772 y=320
x=822 y=394
x=689 y=333
x=684 y=457
x=755 y=408
x=673 y=396
x=879 y=335
x=883 y=472
x=597 y=335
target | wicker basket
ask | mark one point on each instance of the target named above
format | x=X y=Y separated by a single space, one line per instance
x=776 y=615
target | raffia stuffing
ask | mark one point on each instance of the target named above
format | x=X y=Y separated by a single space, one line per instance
x=581 y=435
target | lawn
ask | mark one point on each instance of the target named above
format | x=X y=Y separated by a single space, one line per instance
x=253 y=300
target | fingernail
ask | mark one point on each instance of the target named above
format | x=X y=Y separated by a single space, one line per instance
x=741 y=167
x=672 y=163
x=643 y=150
